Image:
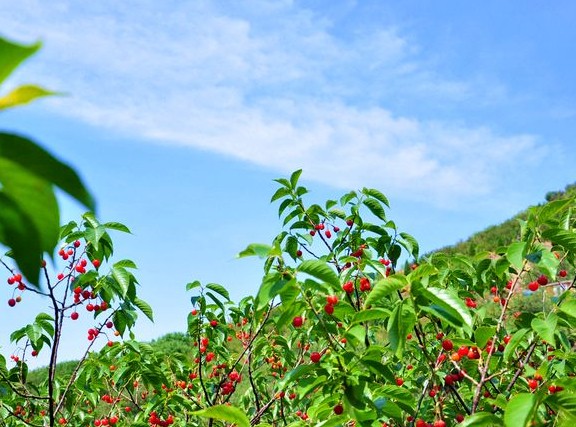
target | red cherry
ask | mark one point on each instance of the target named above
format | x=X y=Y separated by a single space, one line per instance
x=562 y=273
x=542 y=280
x=96 y=263
x=533 y=286
x=439 y=423
x=329 y=309
x=364 y=284
x=213 y=323
x=332 y=299
x=463 y=351
x=315 y=357
x=74 y=315
x=298 y=253
x=447 y=345
x=338 y=409
x=349 y=222
x=399 y=381
x=533 y=384
x=11 y=302
x=348 y=287
x=459 y=418
x=297 y=322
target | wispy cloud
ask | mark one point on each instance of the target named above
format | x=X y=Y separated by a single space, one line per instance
x=271 y=83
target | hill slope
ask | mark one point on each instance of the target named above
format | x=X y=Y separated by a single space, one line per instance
x=502 y=234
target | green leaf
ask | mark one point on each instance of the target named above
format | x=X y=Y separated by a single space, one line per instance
x=291 y=246
x=256 y=249
x=193 y=285
x=125 y=263
x=13 y=54
x=481 y=419
x=564 y=404
x=569 y=307
x=399 y=395
x=385 y=287
x=515 y=254
x=482 y=334
x=116 y=226
x=39 y=162
x=376 y=194
x=411 y=244
x=514 y=342
x=219 y=289
x=369 y=315
x=401 y=321
x=520 y=410
x=546 y=328
x=271 y=286
x=564 y=238
x=23 y=95
x=283 y=181
x=144 y=308
x=376 y=208
x=294 y=178
x=281 y=192
x=226 y=413
x=122 y=277
x=446 y=304
x=320 y=270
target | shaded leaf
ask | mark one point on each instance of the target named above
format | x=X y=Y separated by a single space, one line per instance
x=41 y=163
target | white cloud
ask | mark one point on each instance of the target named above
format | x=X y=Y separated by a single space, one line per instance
x=270 y=85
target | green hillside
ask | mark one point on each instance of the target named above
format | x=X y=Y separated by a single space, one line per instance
x=502 y=234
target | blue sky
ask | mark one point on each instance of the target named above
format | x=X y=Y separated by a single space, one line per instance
x=180 y=114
